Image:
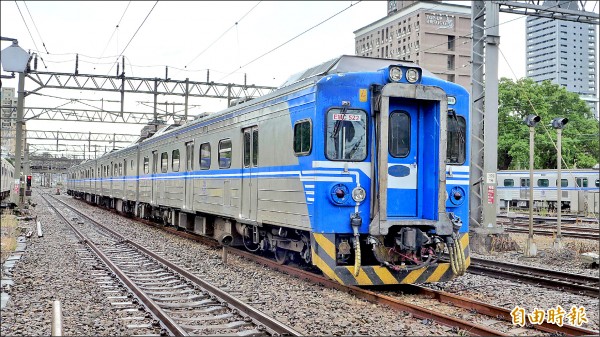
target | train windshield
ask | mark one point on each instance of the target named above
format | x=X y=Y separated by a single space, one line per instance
x=346 y=135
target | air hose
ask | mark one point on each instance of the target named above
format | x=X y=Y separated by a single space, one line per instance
x=457 y=257
x=356 y=251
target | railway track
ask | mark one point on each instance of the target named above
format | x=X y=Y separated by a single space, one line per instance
x=180 y=302
x=573 y=283
x=471 y=305
x=566 y=234
x=542 y=219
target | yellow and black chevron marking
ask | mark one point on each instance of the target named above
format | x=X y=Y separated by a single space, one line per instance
x=324 y=257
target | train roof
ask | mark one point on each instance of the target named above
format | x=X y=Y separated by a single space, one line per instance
x=346 y=64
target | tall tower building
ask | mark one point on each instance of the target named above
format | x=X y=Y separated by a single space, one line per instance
x=433 y=34
x=564 y=52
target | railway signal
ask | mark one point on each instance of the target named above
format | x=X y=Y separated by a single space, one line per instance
x=531 y=121
x=558 y=123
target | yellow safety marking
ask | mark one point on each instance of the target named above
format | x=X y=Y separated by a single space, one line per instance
x=413 y=276
x=362 y=278
x=438 y=273
x=317 y=261
x=326 y=245
x=464 y=241
x=468 y=261
x=362 y=95
x=385 y=275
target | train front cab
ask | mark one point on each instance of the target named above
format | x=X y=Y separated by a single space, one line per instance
x=414 y=197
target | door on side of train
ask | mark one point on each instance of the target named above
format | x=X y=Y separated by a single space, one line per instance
x=189 y=182
x=249 y=178
x=403 y=166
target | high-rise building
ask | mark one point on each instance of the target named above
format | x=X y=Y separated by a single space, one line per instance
x=564 y=52
x=433 y=34
x=8 y=121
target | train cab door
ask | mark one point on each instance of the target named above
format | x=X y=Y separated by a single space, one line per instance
x=189 y=182
x=249 y=179
x=403 y=160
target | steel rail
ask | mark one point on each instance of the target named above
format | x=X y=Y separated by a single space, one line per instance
x=373 y=297
x=273 y=326
x=552 y=226
x=577 y=284
x=586 y=236
x=171 y=325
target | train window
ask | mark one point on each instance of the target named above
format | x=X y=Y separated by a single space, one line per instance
x=509 y=183
x=131 y=164
x=255 y=148
x=543 y=183
x=457 y=145
x=247 y=149
x=399 y=136
x=563 y=182
x=154 y=161
x=225 y=153
x=205 y=156
x=164 y=162
x=582 y=182
x=120 y=169
x=189 y=156
x=302 y=138
x=175 y=160
x=346 y=135
x=524 y=182
x=597 y=182
x=146 y=165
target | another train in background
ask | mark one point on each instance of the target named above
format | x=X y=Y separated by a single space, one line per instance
x=7 y=175
x=580 y=190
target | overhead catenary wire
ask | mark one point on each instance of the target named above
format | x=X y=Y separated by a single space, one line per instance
x=292 y=39
x=116 y=27
x=29 y=31
x=220 y=36
x=35 y=26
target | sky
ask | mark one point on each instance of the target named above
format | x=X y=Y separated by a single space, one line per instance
x=265 y=41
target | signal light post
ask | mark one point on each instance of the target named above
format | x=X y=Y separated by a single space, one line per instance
x=531 y=121
x=558 y=124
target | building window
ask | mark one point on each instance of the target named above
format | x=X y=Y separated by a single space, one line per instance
x=450 y=42
x=450 y=62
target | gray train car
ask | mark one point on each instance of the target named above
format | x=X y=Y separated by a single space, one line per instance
x=579 y=190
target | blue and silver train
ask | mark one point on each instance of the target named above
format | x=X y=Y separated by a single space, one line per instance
x=358 y=166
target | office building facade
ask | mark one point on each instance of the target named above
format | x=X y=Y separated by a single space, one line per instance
x=433 y=34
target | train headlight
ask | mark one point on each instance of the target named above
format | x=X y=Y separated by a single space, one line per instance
x=395 y=74
x=412 y=75
x=359 y=194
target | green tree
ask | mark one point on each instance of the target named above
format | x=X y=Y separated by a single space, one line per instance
x=580 y=137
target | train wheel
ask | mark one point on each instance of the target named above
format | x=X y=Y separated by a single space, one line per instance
x=281 y=255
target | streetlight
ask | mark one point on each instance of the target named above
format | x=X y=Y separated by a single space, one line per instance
x=15 y=59
x=558 y=123
x=531 y=121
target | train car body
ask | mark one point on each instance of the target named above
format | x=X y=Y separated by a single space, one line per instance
x=7 y=178
x=580 y=192
x=358 y=166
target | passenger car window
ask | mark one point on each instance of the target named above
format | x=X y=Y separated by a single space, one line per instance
x=146 y=165
x=302 y=138
x=509 y=182
x=543 y=183
x=175 y=160
x=225 y=153
x=205 y=156
x=563 y=182
x=582 y=182
x=164 y=162
x=346 y=137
